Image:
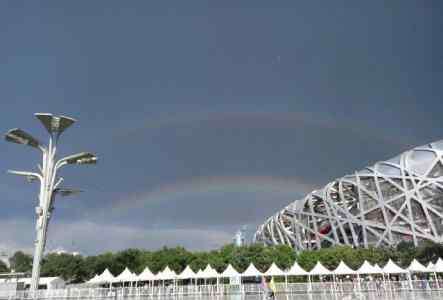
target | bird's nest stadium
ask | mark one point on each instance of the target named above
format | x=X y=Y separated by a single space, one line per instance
x=400 y=199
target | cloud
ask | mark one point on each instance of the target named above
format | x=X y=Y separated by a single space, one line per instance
x=91 y=238
x=212 y=200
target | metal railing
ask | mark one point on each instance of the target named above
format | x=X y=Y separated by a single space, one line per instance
x=161 y=291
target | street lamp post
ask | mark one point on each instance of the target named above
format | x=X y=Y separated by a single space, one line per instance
x=47 y=176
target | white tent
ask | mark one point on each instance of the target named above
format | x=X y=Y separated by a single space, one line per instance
x=126 y=276
x=392 y=268
x=146 y=275
x=251 y=271
x=94 y=280
x=367 y=268
x=438 y=267
x=319 y=269
x=209 y=272
x=187 y=274
x=378 y=269
x=105 y=277
x=430 y=266
x=166 y=274
x=230 y=272
x=343 y=269
x=296 y=270
x=416 y=267
x=274 y=270
x=200 y=274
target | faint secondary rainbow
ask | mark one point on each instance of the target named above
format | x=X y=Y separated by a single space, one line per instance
x=290 y=187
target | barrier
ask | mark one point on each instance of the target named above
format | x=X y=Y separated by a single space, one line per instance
x=225 y=289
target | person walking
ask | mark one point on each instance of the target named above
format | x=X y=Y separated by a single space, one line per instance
x=265 y=288
x=272 y=288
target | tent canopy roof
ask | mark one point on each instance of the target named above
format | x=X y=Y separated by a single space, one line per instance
x=209 y=272
x=166 y=274
x=343 y=269
x=126 y=276
x=104 y=277
x=146 y=275
x=251 y=271
x=296 y=270
x=417 y=267
x=319 y=269
x=367 y=268
x=438 y=267
x=274 y=270
x=187 y=273
x=393 y=268
x=230 y=272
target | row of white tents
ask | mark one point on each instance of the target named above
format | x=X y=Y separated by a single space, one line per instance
x=319 y=270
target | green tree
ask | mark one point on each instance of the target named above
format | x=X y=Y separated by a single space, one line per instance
x=71 y=268
x=3 y=267
x=21 y=262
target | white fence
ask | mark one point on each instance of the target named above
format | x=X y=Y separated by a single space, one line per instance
x=226 y=289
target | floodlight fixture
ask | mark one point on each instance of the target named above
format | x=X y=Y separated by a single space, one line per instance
x=55 y=124
x=64 y=192
x=19 y=136
x=81 y=158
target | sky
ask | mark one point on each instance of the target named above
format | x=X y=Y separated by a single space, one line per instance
x=207 y=116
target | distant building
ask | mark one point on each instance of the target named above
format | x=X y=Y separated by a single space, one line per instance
x=400 y=199
x=60 y=251
x=239 y=237
x=15 y=281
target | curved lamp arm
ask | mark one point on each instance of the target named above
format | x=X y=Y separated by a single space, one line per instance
x=30 y=176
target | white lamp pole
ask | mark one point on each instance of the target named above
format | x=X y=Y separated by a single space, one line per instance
x=47 y=175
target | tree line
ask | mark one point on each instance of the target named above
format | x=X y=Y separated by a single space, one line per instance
x=76 y=269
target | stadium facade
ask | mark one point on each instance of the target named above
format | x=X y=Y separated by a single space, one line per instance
x=400 y=199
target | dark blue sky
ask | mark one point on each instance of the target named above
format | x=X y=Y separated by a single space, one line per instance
x=208 y=116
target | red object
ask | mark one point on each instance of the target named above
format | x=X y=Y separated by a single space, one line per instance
x=325 y=229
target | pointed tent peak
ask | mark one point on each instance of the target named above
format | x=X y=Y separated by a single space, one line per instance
x=166 y=269
x=343 y=269
x=392 y=268
x=209 y=272
x=126 y=276
x=187 y=273
x=105 y=277
x=274 y=270
x=230 y=272
x=188 y=269
x=367 y=268
x=126 y=271
x=296 y=270
x=438 y=266
x=166 y=274
x=94 y=279
x=106 y=272
x=146 y=275
x=251 y=271
x=417 y=267
x=319 y=269
x=208 y=268
x=200 y=274
x=366 y=264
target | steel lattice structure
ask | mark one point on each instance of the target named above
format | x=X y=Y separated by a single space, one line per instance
x=400 y=199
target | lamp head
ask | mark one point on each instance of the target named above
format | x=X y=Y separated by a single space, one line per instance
x=55 y=124
x=19 y=136
x=64 y=192
x=81 y=158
